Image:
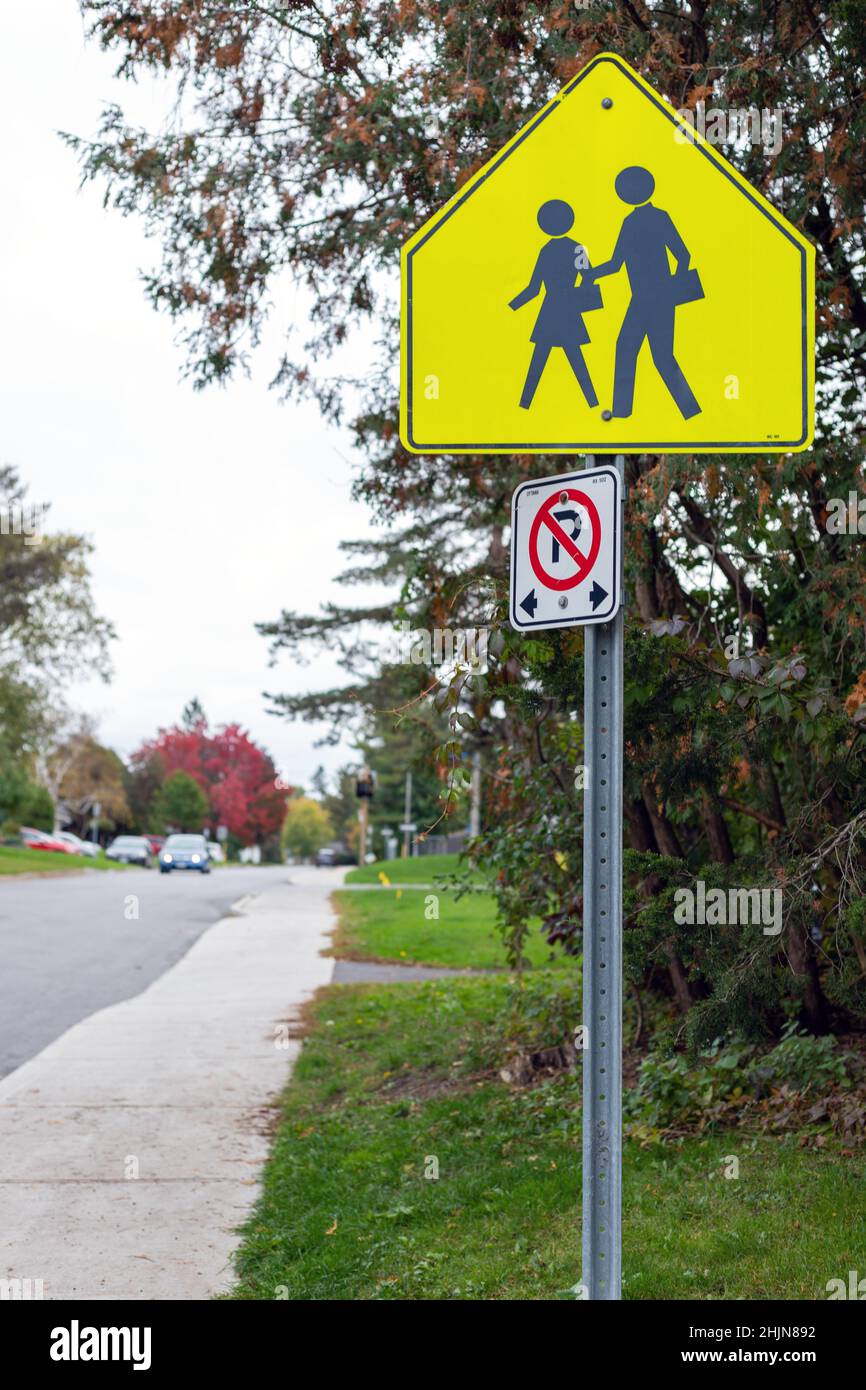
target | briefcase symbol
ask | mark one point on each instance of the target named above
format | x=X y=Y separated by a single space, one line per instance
x=686 y=287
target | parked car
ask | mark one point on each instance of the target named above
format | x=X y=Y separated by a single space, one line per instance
x=130 y=849
x=38 y=839
x=76 y=844
x=184 y=852
x=215 y=850
x=333 y=855
x=156 y=842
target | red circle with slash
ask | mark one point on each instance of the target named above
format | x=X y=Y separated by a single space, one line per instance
x=544 y=517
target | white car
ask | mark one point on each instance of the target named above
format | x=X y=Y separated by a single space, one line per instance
x=130 y=849
x=75 y=843
x=215 y=852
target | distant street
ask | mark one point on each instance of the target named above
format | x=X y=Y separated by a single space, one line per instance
x=68 y=947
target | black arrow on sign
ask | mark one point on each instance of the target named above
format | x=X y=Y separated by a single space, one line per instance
x=597 y=593
x=530 y=603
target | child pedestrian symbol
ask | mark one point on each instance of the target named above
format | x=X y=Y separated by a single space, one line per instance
x=560 y=319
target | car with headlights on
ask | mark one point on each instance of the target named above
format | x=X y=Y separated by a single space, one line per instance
x=184 y=852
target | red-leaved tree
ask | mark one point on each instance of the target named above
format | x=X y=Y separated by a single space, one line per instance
x=236 y=775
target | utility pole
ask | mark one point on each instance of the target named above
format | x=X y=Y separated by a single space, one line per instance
x=475 y=796
x=364 y=792
x=362 y=838
x=407 y=818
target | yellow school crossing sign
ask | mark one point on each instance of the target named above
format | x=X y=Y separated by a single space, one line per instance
x=607 y=283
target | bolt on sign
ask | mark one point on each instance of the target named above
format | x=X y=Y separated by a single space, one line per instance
x=607 y=283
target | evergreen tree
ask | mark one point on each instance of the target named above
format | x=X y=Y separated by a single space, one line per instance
x=181 y=804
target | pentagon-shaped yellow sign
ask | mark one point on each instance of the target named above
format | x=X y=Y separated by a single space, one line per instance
x=607 y=283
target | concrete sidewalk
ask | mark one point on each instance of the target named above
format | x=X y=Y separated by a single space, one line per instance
x=130 y=1148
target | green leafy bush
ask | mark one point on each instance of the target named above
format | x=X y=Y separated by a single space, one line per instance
x=23 y=802
x=674 y=1093
x=671 y=1092
x=801 y=1062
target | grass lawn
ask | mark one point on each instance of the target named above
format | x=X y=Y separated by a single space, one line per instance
x=385 y=926
x=19 y=860
x=421 y=870
x=392 y=1081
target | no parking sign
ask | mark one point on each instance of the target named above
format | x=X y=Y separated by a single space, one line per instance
x=566 y=550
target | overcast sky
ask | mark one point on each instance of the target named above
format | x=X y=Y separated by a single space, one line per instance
x=208 y=511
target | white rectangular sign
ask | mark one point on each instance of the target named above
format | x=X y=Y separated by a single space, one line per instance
x=566 y=550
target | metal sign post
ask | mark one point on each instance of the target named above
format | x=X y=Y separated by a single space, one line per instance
x=566 y=571
x=602 y=956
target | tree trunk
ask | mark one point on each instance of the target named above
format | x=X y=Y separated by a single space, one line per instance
x=801 y=955
x=642 y=833
x=715 y=825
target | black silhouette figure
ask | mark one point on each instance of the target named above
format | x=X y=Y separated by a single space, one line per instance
x=642 y=247
x=559 y=322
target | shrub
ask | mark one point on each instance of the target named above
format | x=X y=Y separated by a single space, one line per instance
x=801 y=1062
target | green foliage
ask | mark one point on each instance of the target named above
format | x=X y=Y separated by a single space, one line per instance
x=48 y=622
x=802 y=1062
x=142 y=783
x=38 y=808
x=674 y=1092
x=428 y=927
x=395 y=734
x=181 y=804
x=23 y=802
x=540 y=1010
x=421 y=868
x=671 y=1091
x=306 y=829
x=15 y=860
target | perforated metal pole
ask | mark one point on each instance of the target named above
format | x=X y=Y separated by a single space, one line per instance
x=602 y=955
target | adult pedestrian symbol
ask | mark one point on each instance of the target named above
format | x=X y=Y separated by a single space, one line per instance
x=566 y=550
x=607 y=283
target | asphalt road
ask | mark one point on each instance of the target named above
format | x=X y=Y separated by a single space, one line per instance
x=70 y=945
